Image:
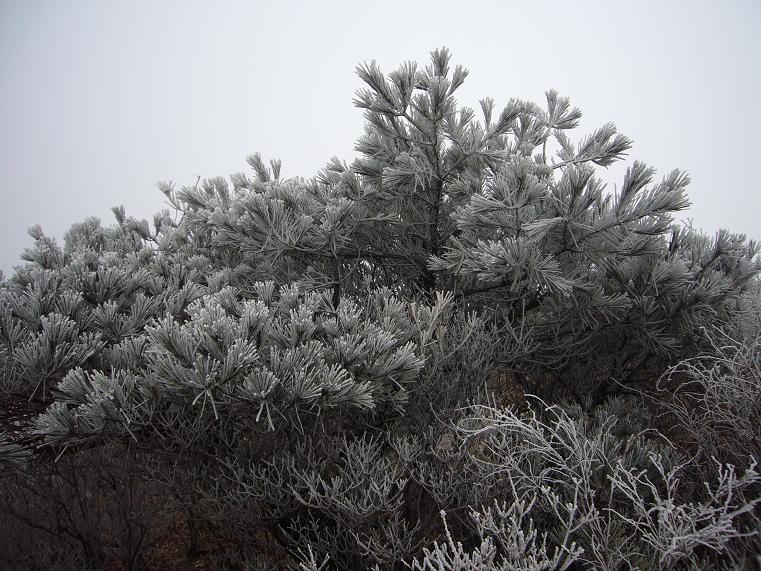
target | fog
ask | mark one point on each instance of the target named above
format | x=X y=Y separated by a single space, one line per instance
x=102 y=99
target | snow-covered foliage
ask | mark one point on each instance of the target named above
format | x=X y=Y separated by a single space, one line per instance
x=460 y=352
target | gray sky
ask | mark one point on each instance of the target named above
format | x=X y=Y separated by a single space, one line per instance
x=100 y=99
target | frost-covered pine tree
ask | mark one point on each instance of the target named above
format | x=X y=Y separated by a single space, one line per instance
x=331 y=371
x=504 y=210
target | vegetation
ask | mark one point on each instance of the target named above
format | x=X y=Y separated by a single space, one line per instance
x=461 y=352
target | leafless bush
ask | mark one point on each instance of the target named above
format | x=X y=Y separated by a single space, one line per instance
x=95 y=505
x=580 y=490
x=717 y=399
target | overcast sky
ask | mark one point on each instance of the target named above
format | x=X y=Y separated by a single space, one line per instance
x=101 y=99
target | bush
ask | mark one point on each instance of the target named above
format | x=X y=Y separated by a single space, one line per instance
x=716 y=395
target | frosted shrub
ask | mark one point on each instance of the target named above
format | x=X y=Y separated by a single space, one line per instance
x=717 y=397
x=673 y=530
x=509 y=541
x=604 y=498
